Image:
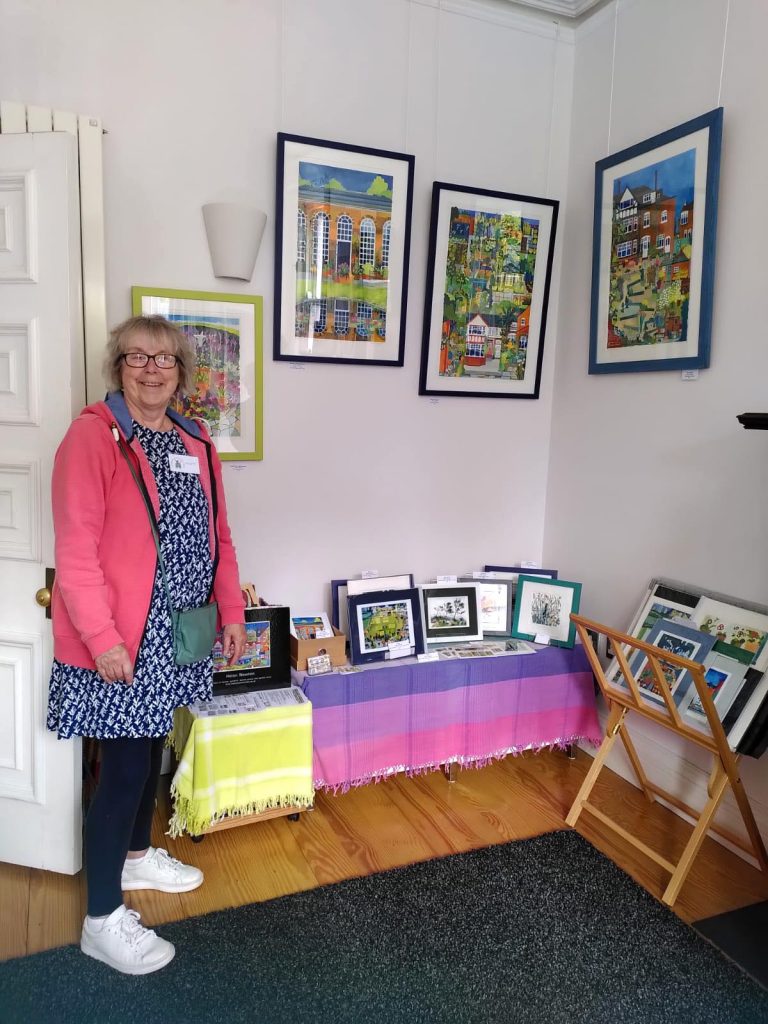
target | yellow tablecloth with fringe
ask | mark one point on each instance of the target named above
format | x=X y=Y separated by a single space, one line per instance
x=241 y=754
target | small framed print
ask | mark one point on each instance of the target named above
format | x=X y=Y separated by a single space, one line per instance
x=384 y=624
x=495 y=602
x=543 y=608
x=450 y=612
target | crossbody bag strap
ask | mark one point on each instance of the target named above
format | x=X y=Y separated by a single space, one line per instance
x=150 y=513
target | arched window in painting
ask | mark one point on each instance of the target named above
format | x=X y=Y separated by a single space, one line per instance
x=367 y=241
x=301 y=240
x=385 y=235
x=320 y=239
x=343 y=244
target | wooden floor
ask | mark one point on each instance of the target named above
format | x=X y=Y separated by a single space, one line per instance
x=388 y=825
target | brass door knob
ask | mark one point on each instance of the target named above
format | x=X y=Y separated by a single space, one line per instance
x=43 y=597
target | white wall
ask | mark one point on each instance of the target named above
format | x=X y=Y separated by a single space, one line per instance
x=650 y=475
x=192 y=93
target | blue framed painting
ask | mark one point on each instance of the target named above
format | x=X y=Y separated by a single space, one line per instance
x=381 y=623
x=653 y=256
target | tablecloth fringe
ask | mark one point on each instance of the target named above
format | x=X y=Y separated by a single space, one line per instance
x=469 y=761
x=186 y=819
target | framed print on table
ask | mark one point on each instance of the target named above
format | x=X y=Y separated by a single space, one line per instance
x=451 y=612
x=543 y=608
x=488 y=279
x=384 y=624
x=495 y=602
x=342 y=241
x=653 y=251
x=225 y=332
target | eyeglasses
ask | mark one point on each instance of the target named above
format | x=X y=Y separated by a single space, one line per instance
x=163 y=360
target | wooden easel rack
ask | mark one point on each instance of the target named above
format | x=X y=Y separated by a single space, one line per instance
x=624 y=695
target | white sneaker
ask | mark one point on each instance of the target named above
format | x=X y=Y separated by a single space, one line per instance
x=125 y=944
x=158 y=870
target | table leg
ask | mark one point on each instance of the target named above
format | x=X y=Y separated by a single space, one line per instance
x=570 y=752
x=450 y=771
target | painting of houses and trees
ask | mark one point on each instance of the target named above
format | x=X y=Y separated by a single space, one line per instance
x=216 y=398
x=342 y=253
x=651 y=240
x=490 y=268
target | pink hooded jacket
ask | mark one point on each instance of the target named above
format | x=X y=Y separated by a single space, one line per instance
x=105 y=556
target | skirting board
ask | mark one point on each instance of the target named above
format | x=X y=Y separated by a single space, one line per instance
x=671 y=770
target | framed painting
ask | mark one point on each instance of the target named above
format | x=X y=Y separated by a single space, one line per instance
x=225 y=332
x=495 y=601
x=543 y=608
x=488 y=280
x=341 y=589
x=451 y=612
x=342 y=243
x=384 y=624
x=653 y=256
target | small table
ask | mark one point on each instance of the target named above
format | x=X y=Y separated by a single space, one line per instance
x=242 y=758
x=409 y=716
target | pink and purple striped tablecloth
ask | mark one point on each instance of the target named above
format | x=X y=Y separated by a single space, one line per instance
x=409 y=717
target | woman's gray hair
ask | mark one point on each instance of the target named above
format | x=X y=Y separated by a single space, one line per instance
x=158 y=329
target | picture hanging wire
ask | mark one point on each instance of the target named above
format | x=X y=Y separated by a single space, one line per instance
x=722 y=59
x=613 y=73
x=555 y=55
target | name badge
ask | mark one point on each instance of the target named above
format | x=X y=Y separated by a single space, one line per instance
x=184 y=464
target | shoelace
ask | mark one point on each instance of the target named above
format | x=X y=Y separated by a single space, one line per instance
x=166 y=862
x=133 y=930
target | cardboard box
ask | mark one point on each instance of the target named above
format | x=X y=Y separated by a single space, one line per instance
x=335 y=646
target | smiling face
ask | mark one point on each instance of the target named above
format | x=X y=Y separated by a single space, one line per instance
x=148 y=389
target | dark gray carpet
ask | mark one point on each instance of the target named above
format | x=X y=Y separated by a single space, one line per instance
x=543 y=930
x=743 y=936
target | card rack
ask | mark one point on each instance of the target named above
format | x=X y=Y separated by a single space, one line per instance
x=725 y=764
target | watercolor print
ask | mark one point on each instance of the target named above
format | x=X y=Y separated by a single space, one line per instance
x=217 y=398
x=492 y=600
x=447 y=612
x=384 y=623
x=255 y=655
x=651 y=250
x=488 y=285
x=743 y=643
x=661 y=611
x=342 y=253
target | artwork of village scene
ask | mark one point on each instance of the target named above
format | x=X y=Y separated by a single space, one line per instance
x=255 y=655
x=384 y=624
x=342 y=253
x=651 y=233
x=489 y=275
x=216 y=395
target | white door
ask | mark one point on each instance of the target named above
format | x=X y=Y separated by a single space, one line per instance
x=41 y=388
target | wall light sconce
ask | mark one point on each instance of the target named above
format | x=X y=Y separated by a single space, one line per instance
x=234 y=235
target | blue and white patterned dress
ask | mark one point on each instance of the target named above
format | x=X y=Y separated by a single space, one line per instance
x=80 y=703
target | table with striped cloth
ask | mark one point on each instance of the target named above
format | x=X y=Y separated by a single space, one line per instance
x=409 y=716
x=241 y=754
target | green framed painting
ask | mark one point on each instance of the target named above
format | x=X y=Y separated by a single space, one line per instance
x=543 y=608
x=226 y=333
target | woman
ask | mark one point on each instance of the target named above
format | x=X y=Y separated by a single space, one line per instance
x=114 y=675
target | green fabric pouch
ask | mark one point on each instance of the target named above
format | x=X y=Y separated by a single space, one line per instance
x=194 y=631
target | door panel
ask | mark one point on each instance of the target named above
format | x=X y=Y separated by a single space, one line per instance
x=41 y=387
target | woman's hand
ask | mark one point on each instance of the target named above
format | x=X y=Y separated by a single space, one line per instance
x=115 y=665
x=233 y=642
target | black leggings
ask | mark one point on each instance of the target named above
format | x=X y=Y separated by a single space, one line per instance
x=120 y=816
